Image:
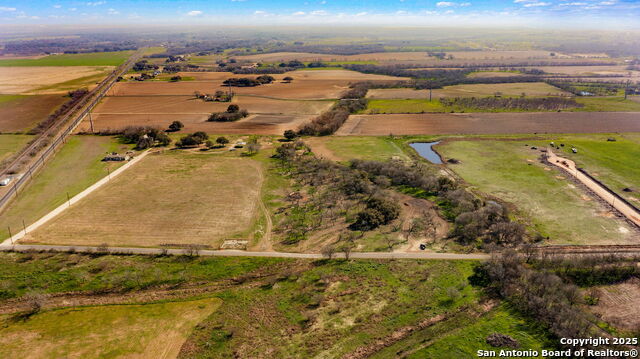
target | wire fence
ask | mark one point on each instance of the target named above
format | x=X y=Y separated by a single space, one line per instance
x=86 y=105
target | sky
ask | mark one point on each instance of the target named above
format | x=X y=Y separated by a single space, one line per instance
x=609 y=14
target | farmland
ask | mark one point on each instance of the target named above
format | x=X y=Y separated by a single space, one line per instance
x=544 y=197
x=160 y=202
x=88 y=59
x=21 y=113
x=74 y=168
x=490 y=123
x=49 y=79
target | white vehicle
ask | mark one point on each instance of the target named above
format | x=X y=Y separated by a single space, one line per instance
x=5 y=181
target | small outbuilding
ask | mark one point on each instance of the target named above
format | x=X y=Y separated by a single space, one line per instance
x=115 y=157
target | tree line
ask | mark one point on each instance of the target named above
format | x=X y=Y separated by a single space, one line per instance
x=330 y=121
x=74 y=97
x=461 y=104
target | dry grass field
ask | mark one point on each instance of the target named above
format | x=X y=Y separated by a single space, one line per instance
x=491 y=123
x=190 y=105
x=21 y=113
x=173 y=198
x=268 y=116
x=256 y=124
x=49 y=79
x=507 y=89
x=618 y=305
x=320 y=84
x=116 y=331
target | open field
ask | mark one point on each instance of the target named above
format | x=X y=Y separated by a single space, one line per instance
x=609 y=162
x=473 y=90
x=332 y=310
x=469 y=337
x=135 y=331
x=168 y=198
x=345 y=148
x=9 y=144
x=491 y=123
x=267 y=116
x=595 y=104
x=258 y=124
x=49 y=80
x=190 y=105
x=320 y=84
x=587 y=70
x=76 y=166
x=21 y=113
x=88 y=59
x=550 y=203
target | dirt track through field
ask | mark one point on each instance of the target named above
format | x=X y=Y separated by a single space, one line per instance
x=491 y=123
x=570 y=167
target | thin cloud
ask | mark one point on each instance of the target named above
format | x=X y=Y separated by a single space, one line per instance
x=194 y=13
x=7 y=9
x=96 y=3
x=537 y=4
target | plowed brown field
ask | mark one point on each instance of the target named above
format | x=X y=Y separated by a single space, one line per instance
x=492 y=123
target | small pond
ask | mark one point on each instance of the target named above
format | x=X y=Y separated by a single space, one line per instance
x=425 y=150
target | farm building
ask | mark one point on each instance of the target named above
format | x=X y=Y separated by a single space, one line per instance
x=115 y=157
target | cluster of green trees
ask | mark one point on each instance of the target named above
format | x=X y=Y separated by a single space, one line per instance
x=510 y=103
x=434 y=78
x=192 y=140
x=233 y=113
x=592 y=88
x=247 y=82
x=218 y=96
x=330 y=121
x=538 y=293
x=144 y=65
x=74 y=97
x=145 y=136
x=475 y=221
x=590 y=270
x=334 y=194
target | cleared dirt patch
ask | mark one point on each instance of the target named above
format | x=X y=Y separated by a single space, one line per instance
x=169 y=198
x=24 y=112
x=491 y=123
x=618 y=304
x=42 y=80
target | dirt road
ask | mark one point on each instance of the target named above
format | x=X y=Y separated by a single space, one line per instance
x=570 y=167
x=238 y=253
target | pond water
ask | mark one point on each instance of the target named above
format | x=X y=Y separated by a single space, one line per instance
x=425 y=150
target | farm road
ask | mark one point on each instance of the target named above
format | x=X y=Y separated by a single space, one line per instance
x=570 y=167
x=239 y=253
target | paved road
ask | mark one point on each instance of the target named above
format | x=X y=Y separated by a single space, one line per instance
x=570 y=167
x=63 y=207
x=237 y=253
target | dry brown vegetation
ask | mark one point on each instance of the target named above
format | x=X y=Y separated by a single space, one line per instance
x=618 y=304
x=507 y=89
x=24 y=113
x=46 y=80
x=491 y=123
x=169 y=198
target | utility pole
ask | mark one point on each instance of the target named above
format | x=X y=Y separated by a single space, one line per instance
x=24 y=226
x=626 y=89
x=91 y=121
x=68 y=199
x=10 y=235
